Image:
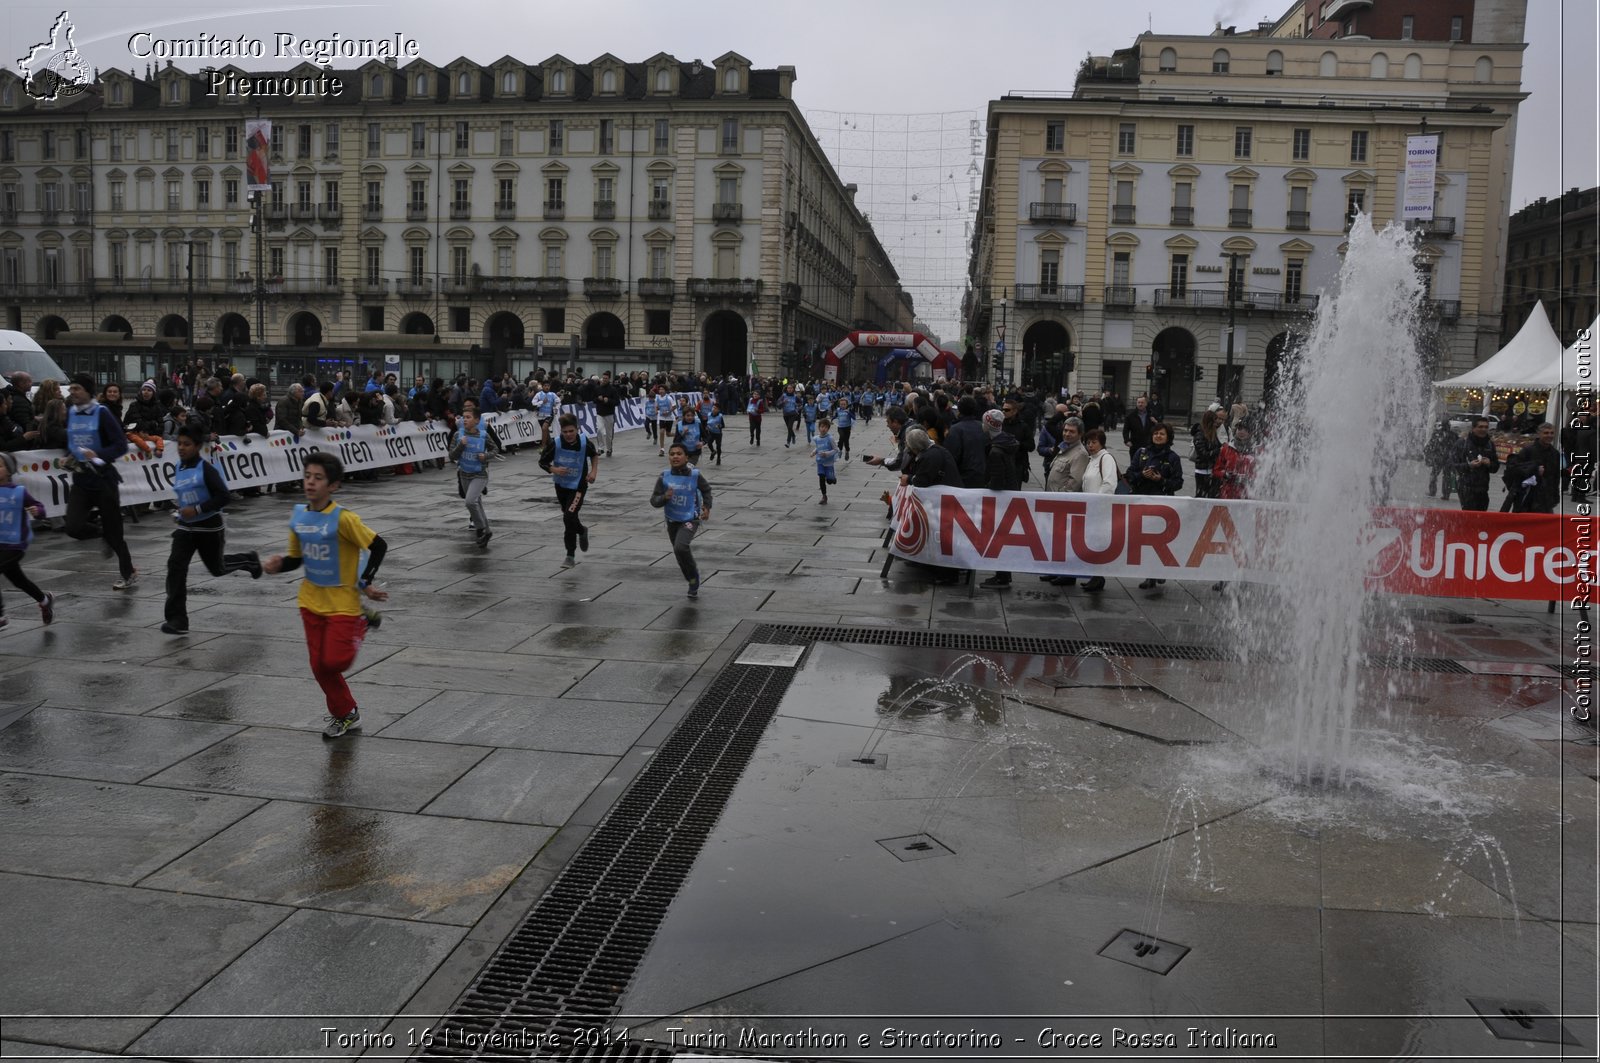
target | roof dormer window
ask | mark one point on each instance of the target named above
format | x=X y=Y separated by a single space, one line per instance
x=174 y=91
x=464 y=83
x=663 y=80
x=116 y=92
x=558 y=81
x=422 y=84
x=730 y=81
x=377 y=84
x=608 y=82
x=508 y=81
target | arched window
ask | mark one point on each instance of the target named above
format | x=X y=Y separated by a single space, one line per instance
x=1219 y=61
x=663 y=80
x=1379 y=67
x=1483 y=70
x=558 y=81
x=608 y=81
x=1169 y=60
x=1328 y=66
x=1413 y=66
x=422 y=84
x=377 y=84
x=508 y=81
x=1274 y=62
x=730 y=81
x=464 y=83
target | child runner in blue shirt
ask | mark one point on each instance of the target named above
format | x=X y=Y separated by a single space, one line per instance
x=809 y=412
x=714 y=424
x=825 y=451
x=688 y=436
x=470 y=452
x=686 y=496
x=201 y=494
x=16 y=531
x=845 y=420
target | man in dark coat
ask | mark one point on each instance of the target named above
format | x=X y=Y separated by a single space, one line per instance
x=968 y=444
x=1004 y=473
x=1475 y=461
x=1534 y=473
x=1136 y=429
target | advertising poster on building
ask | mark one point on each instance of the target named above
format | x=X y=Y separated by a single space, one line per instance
x=258 y=145
x=1422 y=160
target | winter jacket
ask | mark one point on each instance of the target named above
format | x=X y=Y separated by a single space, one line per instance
x=1543 y=494
x=288 y=418
x=1066 y=471
x=1474 y=478
x=1003 y=463
x=1101 y=475
x=144 y=416
x=936 y=467
x=1232 y=472
x=968 y=446
x=1161 y=459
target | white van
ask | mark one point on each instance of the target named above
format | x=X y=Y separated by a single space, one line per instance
x=18 y=351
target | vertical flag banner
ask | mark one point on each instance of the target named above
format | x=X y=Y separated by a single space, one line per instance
x=1422 y=160
x=257 y=144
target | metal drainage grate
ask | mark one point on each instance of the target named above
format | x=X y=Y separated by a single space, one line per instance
x=1522 y=1020
x=1143 y=951
x=797 y=634
x=916 y=847
x=561 y=974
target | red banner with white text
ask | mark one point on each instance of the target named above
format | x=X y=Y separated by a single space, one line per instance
x=1435 y=552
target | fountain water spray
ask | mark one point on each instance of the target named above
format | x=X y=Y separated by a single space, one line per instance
x=1351 y=402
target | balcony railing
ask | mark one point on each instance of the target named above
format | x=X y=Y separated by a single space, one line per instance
x=1063 y=213
x=1446 y=309
x=1298 y=221
x=82 y=215
x=1121 y=295
x=460 y=210
x=1239 y=217
x=724 y=288
x=733 y=212
x=332 y=215
x=458 y=285
x=48 y=289
x=550 y=287
x=303 y=212
x=310 y=285
x=505 y=209
x=791 y=293
x=555 y=209
x=1182 y=215
x=371 y=287
x=416 y=212
x=8 y=216
x=660 y=209
x=1122 y=214
x=657 y=287
x=50 y=216
x=605 y=209
x=1057 y=295
x=372 y=212
x=1177 y=297
x=1443 y=228
x=414 y=286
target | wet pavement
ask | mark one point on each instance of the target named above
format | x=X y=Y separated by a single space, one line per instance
x=180 y=845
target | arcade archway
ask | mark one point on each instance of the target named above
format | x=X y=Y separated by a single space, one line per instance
x=1046 y=357
x=1172 y=367
x=416 y=324
x=726 y=342
x=172 y=327
x=305 y=330
x=604 y=332
x=233 y=330
x=503 y=331
x=118 y=324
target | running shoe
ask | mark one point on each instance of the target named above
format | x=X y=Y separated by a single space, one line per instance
x=373 y=618
x=569 y=562
x=583 y=539
x=127 y=583
x=483 y=537
x=173 y=629
x=254 y=568
x=694 y=587
x=47 y=609
x=338 y=727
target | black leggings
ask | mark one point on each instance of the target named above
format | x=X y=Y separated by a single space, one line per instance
x=755 y=429
x=844 y=441
x=790 y=420
x=11 y=569
x=90 y=492
x=571 y=500
x=714 y=446
x=208 y=543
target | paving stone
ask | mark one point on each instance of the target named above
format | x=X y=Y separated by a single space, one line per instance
x=443 y=667
x=102 y=687
x=96 y=745
x=621 y=644
x=570 y=725
x=79 y=950
x=105 y=832
x=524 y=786
x=430 y=868
x=297 y=704
x=358 y=770
x=641 y=682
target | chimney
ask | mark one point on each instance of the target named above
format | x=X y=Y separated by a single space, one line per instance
x=392 y=63
x=786 y=77
x=850 y=190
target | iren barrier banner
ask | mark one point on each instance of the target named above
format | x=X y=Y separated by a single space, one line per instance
x=1436 y=552
x=255 y=461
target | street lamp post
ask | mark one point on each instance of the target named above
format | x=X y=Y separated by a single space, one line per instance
x=1000 y=347
x=1226 y=380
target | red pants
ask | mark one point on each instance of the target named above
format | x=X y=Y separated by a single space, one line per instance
x=334 y=642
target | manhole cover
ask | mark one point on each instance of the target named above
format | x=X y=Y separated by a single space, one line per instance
x=768 y=653
x=1521 y=1020
x=916 y=847
x=1143 y=951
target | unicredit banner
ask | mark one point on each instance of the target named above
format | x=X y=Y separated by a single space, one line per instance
x=1436 y=552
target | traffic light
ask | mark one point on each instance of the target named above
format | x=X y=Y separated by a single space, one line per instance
x=1149 y=371
x=1199 y=372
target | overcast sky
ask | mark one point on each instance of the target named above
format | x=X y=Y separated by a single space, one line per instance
x=888 y=85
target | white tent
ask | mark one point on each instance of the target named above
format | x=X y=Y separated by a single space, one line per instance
x=1573 y=369
x=1522 y=363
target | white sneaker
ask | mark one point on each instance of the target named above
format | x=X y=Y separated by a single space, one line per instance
x=127 y=583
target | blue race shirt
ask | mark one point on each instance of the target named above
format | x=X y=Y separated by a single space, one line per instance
x=844 y=418
x=827 y=450
x=319 y=543
x=471 y=460
x=689 y=436
x=714 y=423
x=683 y=494
x=810 y=411
x=15 y=527
x=190 y=486
x=83 y=430
x=576 y=463
x=789 y=403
